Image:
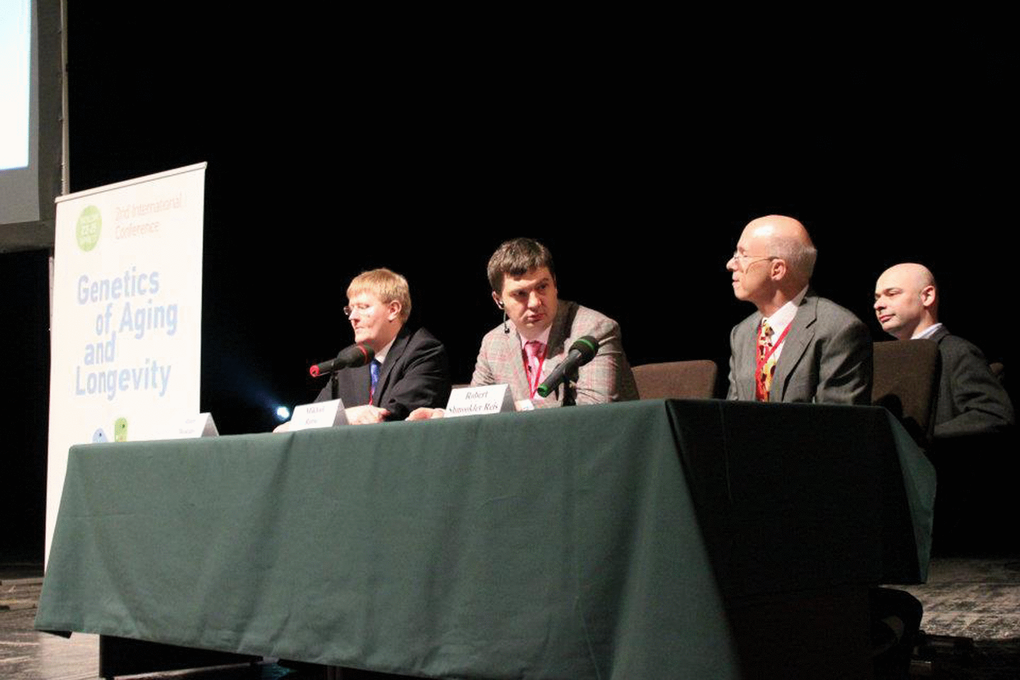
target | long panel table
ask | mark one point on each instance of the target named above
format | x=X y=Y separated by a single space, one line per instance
x=618 y=541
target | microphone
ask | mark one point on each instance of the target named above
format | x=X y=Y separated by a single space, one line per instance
x=506 y=329
x=349 y=357
x=581 y=352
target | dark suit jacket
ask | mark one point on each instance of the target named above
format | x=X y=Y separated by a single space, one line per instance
x=605 y=378
x=826 y=357
x=971 y=400
x=416 y=373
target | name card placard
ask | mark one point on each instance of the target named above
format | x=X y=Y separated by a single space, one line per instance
x=319 y=414
x=194 y=427
x=474 y=401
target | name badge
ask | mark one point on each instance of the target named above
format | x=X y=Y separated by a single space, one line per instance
x=194 y=427
x=473 y=401
x=320 y=414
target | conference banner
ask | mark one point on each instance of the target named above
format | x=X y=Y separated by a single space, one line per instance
x=127 y=310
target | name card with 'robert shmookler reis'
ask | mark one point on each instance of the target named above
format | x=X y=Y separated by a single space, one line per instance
x=474 y=401
x=319 y=414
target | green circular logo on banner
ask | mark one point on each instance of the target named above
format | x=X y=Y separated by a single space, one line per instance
x=90 y=224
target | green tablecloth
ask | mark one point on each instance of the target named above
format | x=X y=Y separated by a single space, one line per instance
x=556 y=544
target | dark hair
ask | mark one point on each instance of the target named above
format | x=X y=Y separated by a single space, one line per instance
x=516 y=258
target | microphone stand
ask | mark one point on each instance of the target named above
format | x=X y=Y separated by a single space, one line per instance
x=334 y=385
x=570 y=388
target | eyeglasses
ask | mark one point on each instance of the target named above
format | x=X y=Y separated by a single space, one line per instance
x=359 y=308
x=742 y=259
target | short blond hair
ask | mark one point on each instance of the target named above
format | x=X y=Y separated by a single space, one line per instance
x=386 y=285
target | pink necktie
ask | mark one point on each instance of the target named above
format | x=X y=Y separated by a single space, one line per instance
x=534 y=352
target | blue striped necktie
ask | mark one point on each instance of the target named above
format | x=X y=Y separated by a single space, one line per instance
x=373 y=368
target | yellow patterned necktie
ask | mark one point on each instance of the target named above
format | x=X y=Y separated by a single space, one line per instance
x=765 y=364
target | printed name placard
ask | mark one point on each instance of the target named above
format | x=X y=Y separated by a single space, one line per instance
x=194 y=427
x=473 y=401
x=319 y=414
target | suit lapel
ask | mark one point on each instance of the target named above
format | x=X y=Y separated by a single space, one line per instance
x=354 y=385
x=557 y=351
x=396 y=349
x=512 y=355
x=797 y=340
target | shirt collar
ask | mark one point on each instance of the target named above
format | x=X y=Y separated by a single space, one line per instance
x=784 y=315
x=927 y=332
x=542 y=338
x=380 y=356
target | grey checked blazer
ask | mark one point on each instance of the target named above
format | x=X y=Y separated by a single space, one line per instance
x=605 y=378
x=826 y=357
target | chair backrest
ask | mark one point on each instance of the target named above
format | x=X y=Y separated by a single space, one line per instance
x=906 y=383
x=676 y=380
x=998 y=369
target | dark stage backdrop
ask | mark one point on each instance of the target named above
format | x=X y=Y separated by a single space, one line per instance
x=336 y=145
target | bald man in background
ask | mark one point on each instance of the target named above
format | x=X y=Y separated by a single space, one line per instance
x=797 y=347
x=971 y=399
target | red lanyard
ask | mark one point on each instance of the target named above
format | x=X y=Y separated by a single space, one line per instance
x=534 y=380
x=761 y=361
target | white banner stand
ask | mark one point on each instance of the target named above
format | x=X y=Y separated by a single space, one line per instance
x=126 y=334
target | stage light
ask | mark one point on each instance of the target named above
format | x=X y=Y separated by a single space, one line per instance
x=282 y=412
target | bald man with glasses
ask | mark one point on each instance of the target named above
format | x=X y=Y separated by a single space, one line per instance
x=797 y=347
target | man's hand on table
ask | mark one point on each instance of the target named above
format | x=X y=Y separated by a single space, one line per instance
x=356 y=415
x=425 y=413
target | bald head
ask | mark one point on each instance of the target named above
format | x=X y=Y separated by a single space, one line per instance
x=906 y=300
x=774 y=261
x=786 y=238
x=916 y=275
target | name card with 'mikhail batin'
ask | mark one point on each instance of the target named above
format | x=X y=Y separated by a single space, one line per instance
x=319 y=414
